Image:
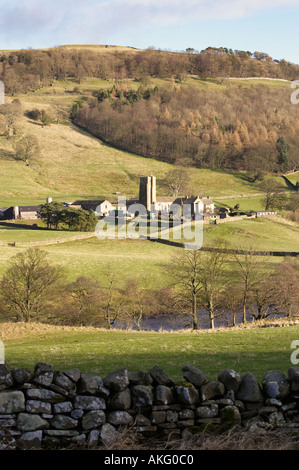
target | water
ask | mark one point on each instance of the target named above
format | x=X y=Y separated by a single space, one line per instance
x=173 y=323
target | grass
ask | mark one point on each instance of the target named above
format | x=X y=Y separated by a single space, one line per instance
x=293 y=177
x=99 y=351
x=264 y=234
x=94 y=258
x=246 y=204
x=12 y=233
x=142 y=259
x=275 y=234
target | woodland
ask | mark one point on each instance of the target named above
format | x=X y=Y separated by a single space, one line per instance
x=253 y=129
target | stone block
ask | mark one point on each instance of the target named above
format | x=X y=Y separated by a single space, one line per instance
x=12 y=402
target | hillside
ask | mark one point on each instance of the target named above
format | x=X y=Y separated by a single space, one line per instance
x=254 y=127
x=29 y=69
x=82 y=166
x=72 y=164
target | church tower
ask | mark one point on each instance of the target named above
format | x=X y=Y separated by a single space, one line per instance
x=147 y=192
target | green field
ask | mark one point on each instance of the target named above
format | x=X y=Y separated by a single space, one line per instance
x=93 y=258
x=100 y=351
x=293 y=177
x=246 y=203
x=141 y=258
x=12 y=233
x=275 y=234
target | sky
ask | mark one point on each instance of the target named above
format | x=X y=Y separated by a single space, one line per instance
x=253 y=25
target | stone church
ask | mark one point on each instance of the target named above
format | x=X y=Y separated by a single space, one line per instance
x=148 y=198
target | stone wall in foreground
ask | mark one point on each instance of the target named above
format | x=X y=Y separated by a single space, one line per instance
x=42 y=408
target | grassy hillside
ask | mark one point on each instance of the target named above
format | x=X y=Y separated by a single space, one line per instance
x=275 y=234
x=94 y=258
x=72 y=164
x=293 y=177
x=99 y=352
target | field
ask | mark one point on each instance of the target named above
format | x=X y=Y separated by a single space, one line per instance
x=96 y=351
x=94 y=258
x=14 y=233
x=293 y=177
x=145 y=260
x=274 y=234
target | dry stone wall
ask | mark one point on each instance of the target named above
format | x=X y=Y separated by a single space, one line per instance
x=42 y=408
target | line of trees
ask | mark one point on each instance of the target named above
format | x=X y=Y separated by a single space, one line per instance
x=204 y=281
x=200 y=281
x=29 y=70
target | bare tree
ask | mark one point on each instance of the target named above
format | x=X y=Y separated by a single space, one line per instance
x=137 y=301
x=286 y=281
x=111 y=305
x=261 y=298
x=274 y=194
x=249 y=271
x=211 y=277
x=26 y=148
x=177 y=180
x=198 y=276
x=231 y=301
x=11 y=112
x=184 y=271
x=86 y=297
x=29 y=284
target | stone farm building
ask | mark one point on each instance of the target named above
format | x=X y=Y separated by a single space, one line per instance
x=20 y=212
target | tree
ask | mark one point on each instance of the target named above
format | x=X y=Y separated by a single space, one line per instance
x=26 y=148
x=11 y=112
x=111 y=305
x=78 y=219
x=45 y=118
x=137 y=301
x=29 y=284
x=249 y=272
x=261 y=298
x=184 y=270
x=231 y=300
x=140 y=300
x=34 y=114
x=199 y=277
x=50 y=213
x=286 y=281
x=86 y=297
x=177 y=180
x=282 y=148
x=274 y=194
x=211 y=277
